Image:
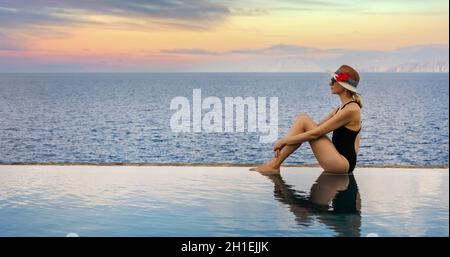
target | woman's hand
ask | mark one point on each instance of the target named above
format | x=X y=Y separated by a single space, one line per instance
x=279 y=144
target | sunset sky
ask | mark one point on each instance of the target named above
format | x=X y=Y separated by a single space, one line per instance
x=115 y=35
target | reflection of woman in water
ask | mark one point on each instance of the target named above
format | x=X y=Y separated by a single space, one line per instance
x=334 y=199
x=339 y=154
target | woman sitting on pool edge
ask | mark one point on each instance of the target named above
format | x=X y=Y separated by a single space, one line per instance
x=339 y=154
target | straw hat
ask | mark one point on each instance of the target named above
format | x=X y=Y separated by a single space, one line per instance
x=344 y=80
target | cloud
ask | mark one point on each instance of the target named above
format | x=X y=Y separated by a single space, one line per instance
x=394 y=13
x=279 y=49
x=313 y=3
x=179 y=13
x=382 y=7
x=249 y=11
x=9 y=46
x=10 y=42
x=275 y=49
x=24 y=20
x=190 y=51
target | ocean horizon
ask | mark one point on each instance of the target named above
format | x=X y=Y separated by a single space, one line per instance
x=125 y=117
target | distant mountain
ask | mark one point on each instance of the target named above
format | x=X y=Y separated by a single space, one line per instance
x=431 y=58
x=274 y=58
x=431 y=66
x=293 y=58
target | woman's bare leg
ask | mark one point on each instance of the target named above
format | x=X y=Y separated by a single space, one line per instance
x=324 y=150
x=274 y=164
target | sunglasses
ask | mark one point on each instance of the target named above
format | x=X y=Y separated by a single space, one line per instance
x=333 y=80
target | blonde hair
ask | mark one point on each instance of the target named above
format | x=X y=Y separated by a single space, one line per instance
x=353 y=74
x=358 y=99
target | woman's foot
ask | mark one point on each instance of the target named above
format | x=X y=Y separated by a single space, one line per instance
x=267 y=168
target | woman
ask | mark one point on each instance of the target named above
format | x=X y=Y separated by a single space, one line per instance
x=339 y=154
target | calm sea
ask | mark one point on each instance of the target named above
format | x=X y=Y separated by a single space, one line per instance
x=126 y=117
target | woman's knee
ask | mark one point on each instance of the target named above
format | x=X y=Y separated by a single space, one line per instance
x=307 y=121
x=303 y=115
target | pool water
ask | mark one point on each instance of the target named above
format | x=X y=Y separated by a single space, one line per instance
x=221 y=201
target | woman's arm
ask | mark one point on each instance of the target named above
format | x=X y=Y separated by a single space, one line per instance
x=282 y=142
x=338 y=120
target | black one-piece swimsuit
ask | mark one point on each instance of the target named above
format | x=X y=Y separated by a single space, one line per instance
x=344 y=141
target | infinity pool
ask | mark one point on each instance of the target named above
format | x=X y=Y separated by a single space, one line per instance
x=52 y=200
